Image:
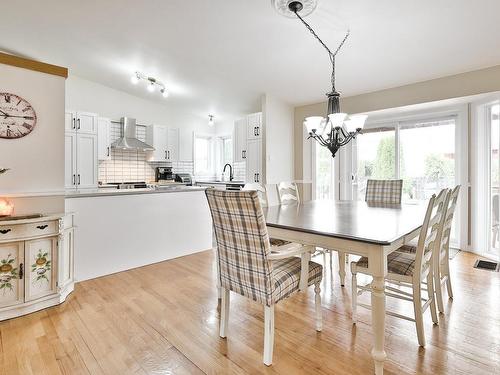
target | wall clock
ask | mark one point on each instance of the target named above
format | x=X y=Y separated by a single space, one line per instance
x=17 y=116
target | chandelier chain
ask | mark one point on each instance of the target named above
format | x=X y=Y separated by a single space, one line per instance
x=330 y=53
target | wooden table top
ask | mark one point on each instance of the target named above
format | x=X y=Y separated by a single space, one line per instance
x=352 y=220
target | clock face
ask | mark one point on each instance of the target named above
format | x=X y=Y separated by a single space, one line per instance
x=17 y=116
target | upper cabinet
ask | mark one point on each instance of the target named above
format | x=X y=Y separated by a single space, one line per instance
x=240 y=140
x=81 y=150
x=104 y=139
x=254 y=126
x=165 y=141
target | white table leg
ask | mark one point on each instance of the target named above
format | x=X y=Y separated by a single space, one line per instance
x=304 y=269
x=378 y=323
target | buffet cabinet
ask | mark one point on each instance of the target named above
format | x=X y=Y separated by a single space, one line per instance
x=36 y=263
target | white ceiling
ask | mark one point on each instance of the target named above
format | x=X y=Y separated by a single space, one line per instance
x=219 y=56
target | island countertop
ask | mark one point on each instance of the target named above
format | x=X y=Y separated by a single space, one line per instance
x=106 y=192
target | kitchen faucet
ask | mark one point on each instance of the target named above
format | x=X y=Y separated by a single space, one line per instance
x=230 y=172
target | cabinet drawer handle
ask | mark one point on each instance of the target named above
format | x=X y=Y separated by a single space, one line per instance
x=78 y=124
x=74 y=179
x=5 y=231
x=108 y=150
x=21 y=271
x=74 y=123
x=78 y=179
x=42 y=227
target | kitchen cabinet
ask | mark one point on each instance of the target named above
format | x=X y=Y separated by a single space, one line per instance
x=240 y=140
x=173 y=144
x=254 y=161
x=80 y=150
x=254 y=126
x=103 y=139
x=165 y=141
x=36 y=263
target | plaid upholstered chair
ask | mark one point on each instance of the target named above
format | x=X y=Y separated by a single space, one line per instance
x=384 y=191
x=406 y=269
x=246 y=265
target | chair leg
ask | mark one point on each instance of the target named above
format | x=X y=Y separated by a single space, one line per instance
x=354 y=298
x=432 y=294
x=268 y=334
x=437 y=288
x=419 y=316
x=341 y=267
x=324 y=261
x=317 y=305
x=446 y=269
x=224 y=313
x=331 y=263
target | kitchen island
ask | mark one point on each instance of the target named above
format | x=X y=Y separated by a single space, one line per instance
x=118 y=230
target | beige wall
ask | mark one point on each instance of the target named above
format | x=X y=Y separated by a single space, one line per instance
x=460 y=85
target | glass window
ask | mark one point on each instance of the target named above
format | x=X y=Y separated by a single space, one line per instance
x=227 y=150
x=376 y=155
x=427 y=158
x=324 y=173
x=202 y=156
x=494 y=113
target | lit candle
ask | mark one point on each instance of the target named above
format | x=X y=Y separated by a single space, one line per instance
x=6 y=208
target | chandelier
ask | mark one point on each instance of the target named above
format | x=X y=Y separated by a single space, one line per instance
x=337 y=129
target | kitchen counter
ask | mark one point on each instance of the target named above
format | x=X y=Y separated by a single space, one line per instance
x=111 y=192
x=236 y=183
x=124 y=229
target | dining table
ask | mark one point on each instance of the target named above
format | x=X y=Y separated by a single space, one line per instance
x=352 y=227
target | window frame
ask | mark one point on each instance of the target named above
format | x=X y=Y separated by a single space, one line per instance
x=210 y=171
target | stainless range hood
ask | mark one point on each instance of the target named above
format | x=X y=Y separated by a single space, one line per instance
x=128 y=140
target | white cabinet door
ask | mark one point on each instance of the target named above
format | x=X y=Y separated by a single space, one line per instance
x=40 y=267
x=254 y=161
x=173 y=144
x=103 y=139
x=240 y=140
x=156 y=136
x=70 y=160
x=66 y=257
x=11 y=273
x=254 y=125
x=185 y=145
x=86 y=161
x=86 y=122
x=70 y=121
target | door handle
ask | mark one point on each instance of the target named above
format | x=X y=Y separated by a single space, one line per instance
x=166 y=154
x=108 y=150
x=257 y=177
x=21 y=271
x=74 y=123
x=78 y=178
x=78 y=124
x=258 y=131
x=74 y=179
x=5 y=231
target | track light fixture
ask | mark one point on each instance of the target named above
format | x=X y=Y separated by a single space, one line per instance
x=152 y=83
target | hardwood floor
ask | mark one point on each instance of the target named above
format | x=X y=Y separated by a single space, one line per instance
x=163 y=319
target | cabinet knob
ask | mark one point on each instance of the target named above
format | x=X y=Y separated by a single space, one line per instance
x=5 y=231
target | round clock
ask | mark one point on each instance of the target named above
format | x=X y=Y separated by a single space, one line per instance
x=17 y=116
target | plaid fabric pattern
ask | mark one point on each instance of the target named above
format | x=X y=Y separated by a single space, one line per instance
x=286 y=276
x=398 y=263
x=278 y=242
x=243 y=248
x=384 y=191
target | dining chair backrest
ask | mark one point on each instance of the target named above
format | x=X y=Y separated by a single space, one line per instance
x=450 y=212
x=242 y=243
x=429 y=239
x=384 y=191
x=261 y=192
x=288 y=192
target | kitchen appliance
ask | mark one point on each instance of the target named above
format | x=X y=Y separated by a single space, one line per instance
x=163 y=174
x=184 y=178
x=129 y=185
x=128 y=139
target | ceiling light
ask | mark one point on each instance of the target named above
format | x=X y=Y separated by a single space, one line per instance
x=211 y=121
x=152 y=83
x=337 y=129
x=135 y=78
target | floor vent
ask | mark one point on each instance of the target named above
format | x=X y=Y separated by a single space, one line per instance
x=486 y=265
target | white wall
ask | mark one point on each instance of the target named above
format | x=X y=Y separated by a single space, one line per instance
x=85 y=95
x=278 y=139
x=36 y=160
